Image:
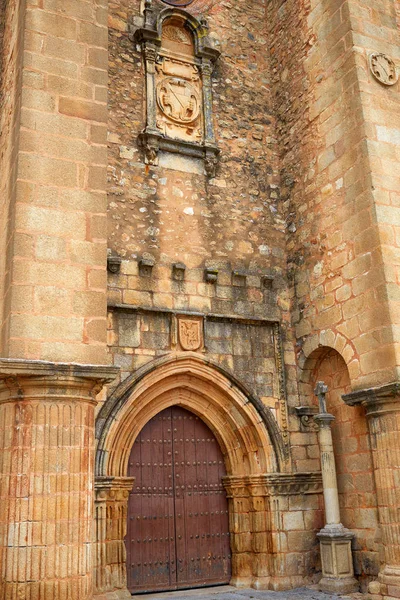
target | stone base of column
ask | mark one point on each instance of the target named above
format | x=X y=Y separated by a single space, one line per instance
x=115 y=595
x=389 y=582
x=261 y=583
x=241 y=582
x=337 y=561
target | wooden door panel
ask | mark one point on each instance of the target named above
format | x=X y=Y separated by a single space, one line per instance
x=178 y=533
x=150 y=540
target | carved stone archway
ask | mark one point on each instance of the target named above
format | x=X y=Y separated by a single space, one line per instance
x=249 y=439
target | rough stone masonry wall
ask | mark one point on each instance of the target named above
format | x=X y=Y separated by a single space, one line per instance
x=11 y=22
x=231 y=222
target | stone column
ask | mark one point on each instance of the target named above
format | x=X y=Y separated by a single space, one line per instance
x=111 y=502
x=335 y=540
x=382 y=406
x=260 y=527
x=250 y=530
x=46 y=478
x=239 y=528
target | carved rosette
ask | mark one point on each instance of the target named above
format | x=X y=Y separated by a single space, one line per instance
x=179 y=60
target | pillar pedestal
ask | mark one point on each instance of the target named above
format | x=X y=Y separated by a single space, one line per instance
x=337 y=560
x=382 y=407
x=46 y=478
x=335 y=540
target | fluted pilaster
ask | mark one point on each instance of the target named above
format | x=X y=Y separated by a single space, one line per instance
x=46 y=478
x=382 y=407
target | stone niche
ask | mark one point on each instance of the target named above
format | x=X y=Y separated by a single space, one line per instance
x=179 y=61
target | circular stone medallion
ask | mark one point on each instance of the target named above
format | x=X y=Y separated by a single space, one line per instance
x=383 y=68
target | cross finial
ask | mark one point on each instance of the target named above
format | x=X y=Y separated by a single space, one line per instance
x=320 y=391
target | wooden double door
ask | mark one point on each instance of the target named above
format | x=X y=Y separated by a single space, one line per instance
x=178 y=531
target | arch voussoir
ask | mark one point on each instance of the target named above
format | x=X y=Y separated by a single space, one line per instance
x=237 y=419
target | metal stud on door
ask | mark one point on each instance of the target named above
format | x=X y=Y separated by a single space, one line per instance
x=178 y=533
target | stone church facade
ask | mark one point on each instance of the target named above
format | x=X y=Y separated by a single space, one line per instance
x=199 y=221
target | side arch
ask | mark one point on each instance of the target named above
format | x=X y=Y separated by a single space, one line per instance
x=317 y=345
x=351 y=444
x=245 y=428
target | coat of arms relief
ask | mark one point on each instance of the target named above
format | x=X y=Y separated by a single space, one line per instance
x=190 y=333
x=178 y=86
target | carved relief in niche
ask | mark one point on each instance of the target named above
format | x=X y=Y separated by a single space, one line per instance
x=178 y=86
x=179 y=59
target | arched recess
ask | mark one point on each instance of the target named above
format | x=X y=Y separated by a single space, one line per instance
x=249 y=439
x=353 y=458
x=244 y=427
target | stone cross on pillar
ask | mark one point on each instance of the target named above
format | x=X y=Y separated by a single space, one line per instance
x=320 y=391
x=335 y=540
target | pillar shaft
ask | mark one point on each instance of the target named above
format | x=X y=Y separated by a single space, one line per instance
x=328 y=468
x=46 y=478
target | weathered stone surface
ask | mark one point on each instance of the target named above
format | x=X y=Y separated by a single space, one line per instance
x=290 y=246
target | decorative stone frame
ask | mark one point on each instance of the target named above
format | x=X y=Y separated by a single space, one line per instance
x=205 y=55
x=256 y=484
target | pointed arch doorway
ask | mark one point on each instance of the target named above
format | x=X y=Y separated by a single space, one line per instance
x=178 y=526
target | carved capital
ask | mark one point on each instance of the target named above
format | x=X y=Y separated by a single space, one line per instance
x=48 y=381
x=324 y=420
x=113 y=489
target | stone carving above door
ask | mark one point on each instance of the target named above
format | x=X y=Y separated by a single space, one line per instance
x=190 y=333
x=179 y=60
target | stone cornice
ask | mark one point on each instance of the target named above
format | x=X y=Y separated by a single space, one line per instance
x=274 y=484
x=113 y=488
x=383 y=392
x=282 y=484
x=38 y=368
x=42 y=380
